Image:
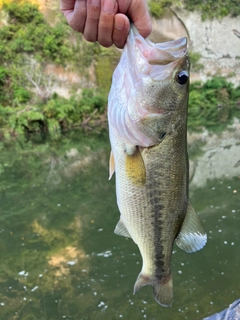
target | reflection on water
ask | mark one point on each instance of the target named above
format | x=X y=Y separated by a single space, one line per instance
x=220 y=157
x=60 y=258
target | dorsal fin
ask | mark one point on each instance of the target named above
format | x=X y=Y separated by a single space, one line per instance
x=192 y=236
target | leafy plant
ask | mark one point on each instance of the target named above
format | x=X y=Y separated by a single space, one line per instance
x=91 y=101
x=213 y=104
x=194 y=59
x=23 y=12
x=28 y=32
x=27 y=45
x=156 y=7
x=214 y=9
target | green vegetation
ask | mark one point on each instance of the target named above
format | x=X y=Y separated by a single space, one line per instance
x=54 y=114
x=213 y=104
x=214 y=9
x=28 y=44
x=194 y=58
x=156 y=7
x=28 y=32
x=104 y=69
x=209 y=8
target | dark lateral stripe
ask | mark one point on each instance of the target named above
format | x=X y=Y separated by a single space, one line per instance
x=157 y=208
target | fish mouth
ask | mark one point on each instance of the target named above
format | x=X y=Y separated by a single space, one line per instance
x=155 y=60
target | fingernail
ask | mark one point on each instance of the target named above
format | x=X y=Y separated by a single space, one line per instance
x=119 y=24
x=96 y=3
x=108 y=6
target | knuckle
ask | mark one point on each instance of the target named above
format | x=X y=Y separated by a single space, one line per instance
x=76 y=21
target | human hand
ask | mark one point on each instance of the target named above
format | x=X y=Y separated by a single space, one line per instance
x=107 y=21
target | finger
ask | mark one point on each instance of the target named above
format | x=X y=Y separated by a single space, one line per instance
x=137 y=11
x=121 y=30
x=75 y=13
x=91 y=25
x=123 y=5
x=106 y=22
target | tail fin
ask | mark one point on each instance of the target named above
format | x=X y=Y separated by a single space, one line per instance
x=162 y=290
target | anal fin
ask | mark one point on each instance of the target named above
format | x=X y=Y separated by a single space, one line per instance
x=192 y=236
x=162 y=289
x=121 y=230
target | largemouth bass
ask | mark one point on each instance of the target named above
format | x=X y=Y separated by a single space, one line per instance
x=147 y=113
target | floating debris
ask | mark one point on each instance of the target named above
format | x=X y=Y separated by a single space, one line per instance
x=105 y=254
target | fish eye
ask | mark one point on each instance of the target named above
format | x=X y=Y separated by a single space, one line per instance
x=182 y=77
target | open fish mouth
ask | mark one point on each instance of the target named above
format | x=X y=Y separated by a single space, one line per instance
x=146 y=78
x=157 y=60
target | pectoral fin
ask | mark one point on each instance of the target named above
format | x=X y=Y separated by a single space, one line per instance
x=111 y=166
x=121 y=230
x=135 y=168
x=192 y=236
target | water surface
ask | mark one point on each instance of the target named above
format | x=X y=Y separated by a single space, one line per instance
x=60 y=258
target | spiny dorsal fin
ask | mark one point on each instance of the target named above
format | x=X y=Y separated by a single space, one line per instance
x=192 y=236
x=111 y=166
x=121 y=230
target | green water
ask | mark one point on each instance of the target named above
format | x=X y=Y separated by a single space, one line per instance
x=60 y=258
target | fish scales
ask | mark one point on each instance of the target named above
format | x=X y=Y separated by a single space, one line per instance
x=147 y=126
x=163 y=214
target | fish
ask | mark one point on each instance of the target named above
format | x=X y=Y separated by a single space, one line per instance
x=147 y=117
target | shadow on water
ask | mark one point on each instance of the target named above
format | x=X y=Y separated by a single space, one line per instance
x=60 y=258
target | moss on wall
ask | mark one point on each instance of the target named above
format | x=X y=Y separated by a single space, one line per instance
x=105 y=65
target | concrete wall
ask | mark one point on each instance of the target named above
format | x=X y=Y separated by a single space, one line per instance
x=218 y=41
